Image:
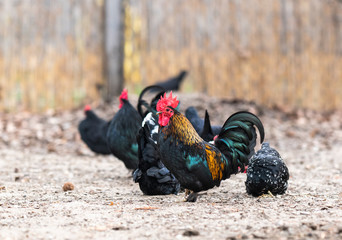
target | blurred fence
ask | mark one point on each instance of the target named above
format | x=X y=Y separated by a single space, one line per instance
x=50 y=53
x=283 y=52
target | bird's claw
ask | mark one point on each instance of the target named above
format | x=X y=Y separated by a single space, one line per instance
x=266 y=195
x=190 y=196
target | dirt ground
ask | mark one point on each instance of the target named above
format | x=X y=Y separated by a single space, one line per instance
x=39 y=153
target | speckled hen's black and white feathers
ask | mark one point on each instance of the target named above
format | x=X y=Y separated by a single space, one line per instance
x=153 y=177
x=266 y=172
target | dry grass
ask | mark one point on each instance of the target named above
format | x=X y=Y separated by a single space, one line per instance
x=52 y=58
x=41 y=84
x=273 y=52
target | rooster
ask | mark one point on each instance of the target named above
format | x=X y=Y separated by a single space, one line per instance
x=153 y=177
x=197 y=164
x=93 y=132
x=266 y=172
x=122 y=132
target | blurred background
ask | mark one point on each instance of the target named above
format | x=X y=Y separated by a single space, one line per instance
x=61 y=54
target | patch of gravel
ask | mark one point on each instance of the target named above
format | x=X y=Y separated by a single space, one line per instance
x=40 y=153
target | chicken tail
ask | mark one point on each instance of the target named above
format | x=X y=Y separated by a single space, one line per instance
x=207 y=132
x=182 y=75
x=237 y=139
x=142 y=102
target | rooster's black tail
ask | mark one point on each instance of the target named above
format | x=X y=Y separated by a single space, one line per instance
x=142 y=102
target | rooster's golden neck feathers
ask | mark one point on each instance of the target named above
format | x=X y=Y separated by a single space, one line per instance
x=181 y=128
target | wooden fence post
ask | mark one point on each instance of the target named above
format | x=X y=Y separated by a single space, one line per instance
x=113 y=47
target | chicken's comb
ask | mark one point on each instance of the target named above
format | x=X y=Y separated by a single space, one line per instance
x=165 y=101
x=87 y=108
x=124 y=94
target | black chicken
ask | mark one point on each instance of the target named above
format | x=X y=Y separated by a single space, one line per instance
x=173 y=83
x=266 y=172
x=153 y=177
x=122 y=132
x=93 y=131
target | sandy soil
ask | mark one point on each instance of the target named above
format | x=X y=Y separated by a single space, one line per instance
x=39 y=153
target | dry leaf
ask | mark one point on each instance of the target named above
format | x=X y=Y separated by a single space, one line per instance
x=146 y=208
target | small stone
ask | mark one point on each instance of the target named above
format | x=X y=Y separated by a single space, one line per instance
x=290 y=134
x=231 y=237
x=191 y=233
x=313 y=227
x=259 y=235
x=68 y=186
x=284 y=228
x=118 y=228
x=339 y=231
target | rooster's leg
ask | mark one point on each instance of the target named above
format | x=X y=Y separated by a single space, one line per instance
x=190 y=196
x=186 y=194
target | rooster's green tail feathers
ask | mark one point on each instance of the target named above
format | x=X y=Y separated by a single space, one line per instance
x=237 y=138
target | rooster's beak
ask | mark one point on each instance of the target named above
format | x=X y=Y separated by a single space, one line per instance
x=158 y=113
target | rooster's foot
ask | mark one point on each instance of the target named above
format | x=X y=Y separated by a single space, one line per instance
x=266 y=195
x=190 y=196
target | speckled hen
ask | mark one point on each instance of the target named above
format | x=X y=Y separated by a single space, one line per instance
x=266 y=172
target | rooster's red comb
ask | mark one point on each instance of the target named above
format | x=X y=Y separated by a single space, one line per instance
x=87 y=107
x=124 y=94
x=165 y=101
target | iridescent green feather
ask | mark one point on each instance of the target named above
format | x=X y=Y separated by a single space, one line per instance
x=237 y=138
